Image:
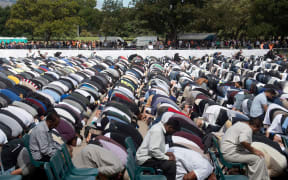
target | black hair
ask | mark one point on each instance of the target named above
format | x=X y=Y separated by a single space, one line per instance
x=256 y=122
x=174 y=123
x=203 y=76
x=95 y=142
x=52 y=115
x=240 y=83
x=74 y=138
x=270 y=90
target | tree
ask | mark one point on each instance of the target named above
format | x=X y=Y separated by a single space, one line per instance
x=270 y=17
x=112 y=5
x=91 y=4
x=91 y=16
x=45 y=18
x=3 y=19
x=111 y=12
x=228 y=18
x=131 y=26
x=167 y=17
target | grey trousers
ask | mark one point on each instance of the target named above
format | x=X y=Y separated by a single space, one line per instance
x=257 y=169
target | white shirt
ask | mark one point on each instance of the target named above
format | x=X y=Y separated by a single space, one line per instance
x=284 y=96
x=188 y=160
x=126 y=91
x=71 y=106
x=72 y=80
x=165 y=116
x=114 y=109
x=3 y=137
x=234 y=136
x=86 y=94
x=12 y=124
x=150 y=47
x=61 y=85
x=168 y=105
x=267 y=120
x=245 y=108
x=179 y=140
x=160 y=91
x=51 y=99
x=22 y=114
x=53 y=74
x=30 y=54
x=153 y=145
x=276 y=125
x=65 y=114
x=211 y=113
x=77 y=77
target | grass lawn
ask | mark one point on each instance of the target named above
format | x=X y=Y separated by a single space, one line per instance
x=86 y=38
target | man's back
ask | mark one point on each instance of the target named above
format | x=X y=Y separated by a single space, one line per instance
x=94 y=156
x=153 y=145
x=188 y=160
x=236 y=134
x=41 y=142
x=256 y=107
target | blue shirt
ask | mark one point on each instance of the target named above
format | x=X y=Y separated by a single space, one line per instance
x=53 y=94
x=10 y=94
x=257 y=105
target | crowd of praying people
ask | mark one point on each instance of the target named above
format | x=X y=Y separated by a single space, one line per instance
x=156 y=45
x=213 y=117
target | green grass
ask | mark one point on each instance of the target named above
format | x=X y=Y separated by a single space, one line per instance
x=79 y=38
x=66 y=38
x=86 y=38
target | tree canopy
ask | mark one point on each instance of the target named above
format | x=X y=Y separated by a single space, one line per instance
x=45 y=18
x=165 y=18
x=5 y=12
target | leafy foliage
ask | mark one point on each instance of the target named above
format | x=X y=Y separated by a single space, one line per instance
x=228 y=18
x=271 y=15
x=45 y=18
x=62 y=18
x=165 y=17
x=5 y=12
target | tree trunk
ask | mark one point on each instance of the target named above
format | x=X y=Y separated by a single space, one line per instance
x=48 y=36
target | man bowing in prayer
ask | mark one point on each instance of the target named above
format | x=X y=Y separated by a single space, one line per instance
x=236 y=147
x=152 y=151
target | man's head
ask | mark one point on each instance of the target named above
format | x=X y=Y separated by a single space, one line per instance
x=172 y=126
x=52 y=119
x=238 y=84
x=188 y=106
x=76 y=140
x=206 y=78
x=270 y=93
x=255 y=124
